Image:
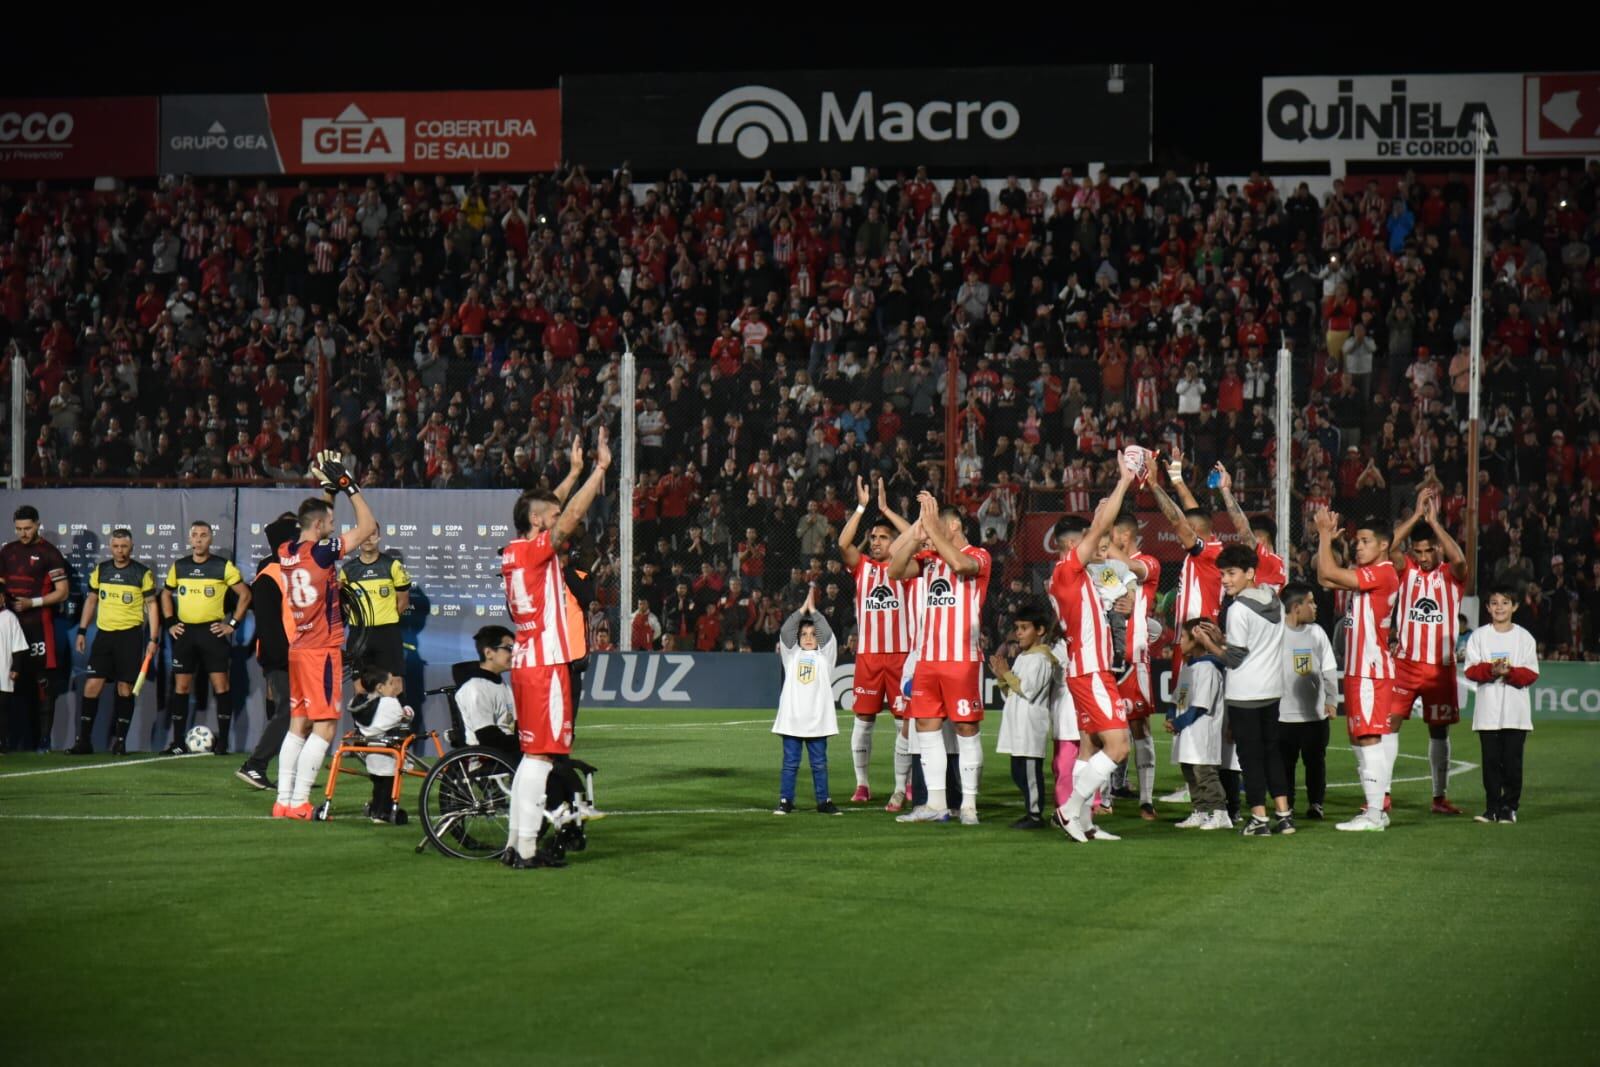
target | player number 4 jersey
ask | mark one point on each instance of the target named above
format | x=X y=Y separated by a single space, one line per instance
x=536 y=596
x=951 y=607
x=1428 y=615
x=885 y=624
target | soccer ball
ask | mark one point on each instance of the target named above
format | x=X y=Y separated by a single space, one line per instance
x=198 y=739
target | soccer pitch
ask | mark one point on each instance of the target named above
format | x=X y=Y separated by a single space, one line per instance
x=153 y=914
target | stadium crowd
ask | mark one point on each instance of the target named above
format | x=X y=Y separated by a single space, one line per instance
x=794 y=337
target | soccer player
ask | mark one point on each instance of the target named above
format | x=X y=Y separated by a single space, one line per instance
x=1199 y=582
x=309 y=565
x=202 y=630
x=273 y=626
x=1431 y=578
x=1503 y=659
x=122 y=601
x=35 y=582
x=1310 y=696
x=1368 y=666
x=1102 y=715
x=1270 y=570
x=540 y=684
x=384 y=588
x=1030 y=684
x=1136 y=686
x=883 y=639
x=952 y=582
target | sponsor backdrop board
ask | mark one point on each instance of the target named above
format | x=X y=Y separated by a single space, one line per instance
x=78 y=137
x=311 y=133
x=1428 y=116
x=991 y=116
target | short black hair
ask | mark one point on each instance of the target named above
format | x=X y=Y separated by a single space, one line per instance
x=122 y=531
x=282 y=530
x=1035 y=613
x=1069 y=524
x=373 y=675
x=886 y=524
x=489 y=637
x=1191 y=625
x=1128 y=520
x=1295 y=592
x=1381 y=528
x=1197 y=513
x=1236 y=557
x=199 y=522
x=1506 y=590
x=1421 y=532
x=1265 y=525
x=520 y=513
x=26 y=513
x=310 y=508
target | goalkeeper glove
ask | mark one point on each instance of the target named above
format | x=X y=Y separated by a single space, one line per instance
x=335 y=478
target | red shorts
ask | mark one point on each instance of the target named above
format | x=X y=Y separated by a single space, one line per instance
x=1135 y=689
x=877 y=683
x=543 y=698
x=1435 y=683
x=315 y=678
x=1099 y=704
x=945 y=691
x=1366 y=706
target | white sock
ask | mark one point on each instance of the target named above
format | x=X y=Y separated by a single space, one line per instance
x=1370 y=759
x=902 y=761
x=306 y=768
x=288 y=754
x=1439 y=760
x=511 y=808
x=1087 y=778
x=930 y=745
x=1391 y=756
x=971 y=762
x=861 y=748
x=528 y=795
x=1144 y=756
x=1119 y=777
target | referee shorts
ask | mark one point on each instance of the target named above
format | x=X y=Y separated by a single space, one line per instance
x=199 y=651
x=381 y=645
x=117 y=654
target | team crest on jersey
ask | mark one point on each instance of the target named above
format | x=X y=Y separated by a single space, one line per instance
x=940 y=594
x=882 y=598
x=1426 y=610
x=383 y=590
x=127 y=598
x=1302 y=661
x=807 y=673
x=209 y=592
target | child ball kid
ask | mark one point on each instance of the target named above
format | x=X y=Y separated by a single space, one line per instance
x=1310 y=696
x=806 y=713
x=378 y=712
x=1029 y=683
x=1503 y=659
x=1197 y=726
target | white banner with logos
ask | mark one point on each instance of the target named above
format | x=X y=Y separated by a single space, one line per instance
x=1428 y=116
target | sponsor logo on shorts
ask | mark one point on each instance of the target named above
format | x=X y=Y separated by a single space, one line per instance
x=940 y=594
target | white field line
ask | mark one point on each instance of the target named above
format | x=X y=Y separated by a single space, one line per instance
x=260 y=818
x=100 y=766
x=1456 y=767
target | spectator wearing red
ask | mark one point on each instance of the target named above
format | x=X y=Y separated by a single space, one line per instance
x=1515 y=332
x=561 y=337
x=1561 y=459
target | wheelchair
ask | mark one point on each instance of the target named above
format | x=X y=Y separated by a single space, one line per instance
x=465 y=800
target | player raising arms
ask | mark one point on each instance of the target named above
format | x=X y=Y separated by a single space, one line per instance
x=883 y=638
x=1368 y=666
x=310 y=571
x=1428 y=617
x=1200 y=582
x=1102 y=718
x=952 y=582
x=1136 y=685
x=540 y=684
x=1270 y=570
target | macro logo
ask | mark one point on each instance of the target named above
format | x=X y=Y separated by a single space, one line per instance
x=882 y=598
x=940 y=595
x=753 y=118
x=352 y=137
x=1425 y=610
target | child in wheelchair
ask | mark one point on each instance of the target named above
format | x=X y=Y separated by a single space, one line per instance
x=380 y=716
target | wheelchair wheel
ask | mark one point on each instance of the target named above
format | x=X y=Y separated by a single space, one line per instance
x=466 y=803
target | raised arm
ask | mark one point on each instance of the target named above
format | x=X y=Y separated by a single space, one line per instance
x=574 y=468
x=572 y=515
x=895 y=520
x=1329 y=573
x=933 y=524
x=1174 y=514
x=1104 y=516
x=1451 y=551
x=901 y=563
x=1397 y=555
x=1175 y=472
x=1241 y=521
x=848 y=552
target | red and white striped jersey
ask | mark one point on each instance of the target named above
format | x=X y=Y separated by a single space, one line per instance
x=537 y=598
x=1144 y=605
x=1200 y=583
x=1270 y=570
x=950 y=608
x=1428 y=614
x=1083 y=619
x=1075 y=481
x=763 y=478
x=885 y=624
x=1367 y=631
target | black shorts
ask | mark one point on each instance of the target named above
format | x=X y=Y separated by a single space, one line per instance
x=199 y=651
x=384 y=646
x=117 y=654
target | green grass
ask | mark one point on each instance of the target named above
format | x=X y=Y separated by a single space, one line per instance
x=735 y=937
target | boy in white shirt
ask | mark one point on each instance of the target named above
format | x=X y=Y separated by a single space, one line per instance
x=12 y=642
x=1310 y=695
x=1029 y=684
x=377 y=712
x=806 y=713
x=1197 y=726
x=1503 y=659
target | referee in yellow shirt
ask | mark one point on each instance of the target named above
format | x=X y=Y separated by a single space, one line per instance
x=122 y=601
x=380 y=584
x=202 y=630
